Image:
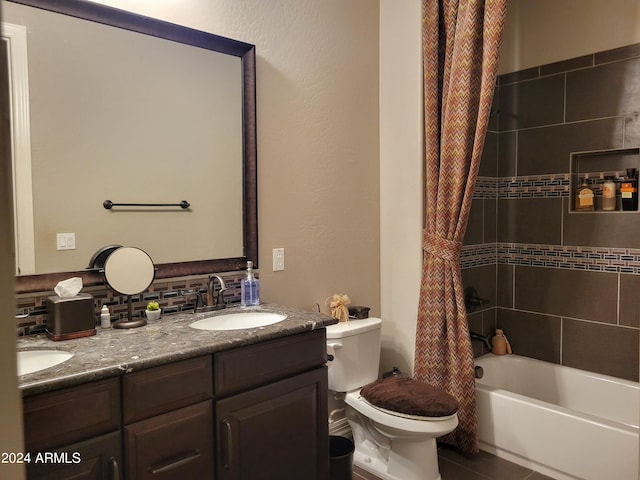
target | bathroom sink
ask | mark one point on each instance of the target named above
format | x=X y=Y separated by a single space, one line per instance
x=30 y=361
x=238 y=321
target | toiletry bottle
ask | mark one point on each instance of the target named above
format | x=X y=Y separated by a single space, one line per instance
x=499 y=343
x=105 y=317
x=250 y=288
x=584 y=197
x=629 y=191
x=609 y=194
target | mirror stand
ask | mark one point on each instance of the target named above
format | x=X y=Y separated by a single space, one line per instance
x=128 y=323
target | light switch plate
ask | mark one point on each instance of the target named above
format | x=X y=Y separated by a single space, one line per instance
x=66 y=241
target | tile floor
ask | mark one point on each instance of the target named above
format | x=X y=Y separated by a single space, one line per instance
x=483 y=466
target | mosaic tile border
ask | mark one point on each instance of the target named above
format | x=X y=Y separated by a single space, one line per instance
x=535 y=186
x=174 y=296
x=596 y=259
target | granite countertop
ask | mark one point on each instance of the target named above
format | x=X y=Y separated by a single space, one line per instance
x=113 y=352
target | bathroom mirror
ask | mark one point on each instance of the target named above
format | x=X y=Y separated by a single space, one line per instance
x=129 y=271
x=178 y=146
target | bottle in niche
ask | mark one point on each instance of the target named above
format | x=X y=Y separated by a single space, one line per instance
x=609 y=194
x=249 y=288
x=584 y=197
x=629 y=191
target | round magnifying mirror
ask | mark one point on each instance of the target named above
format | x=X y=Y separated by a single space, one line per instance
x=129 y=271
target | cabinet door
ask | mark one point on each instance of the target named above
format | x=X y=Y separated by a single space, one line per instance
x=275 y=432
x=96 y=459
x=173 y=446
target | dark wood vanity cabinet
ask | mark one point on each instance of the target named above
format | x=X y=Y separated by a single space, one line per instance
x=74 y=433
x=168 y=417
x=271 y=410
x=257 y=412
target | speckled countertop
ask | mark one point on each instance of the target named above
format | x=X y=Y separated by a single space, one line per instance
x=116 y=351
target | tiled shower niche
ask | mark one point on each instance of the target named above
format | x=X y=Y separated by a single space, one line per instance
x=594 y=167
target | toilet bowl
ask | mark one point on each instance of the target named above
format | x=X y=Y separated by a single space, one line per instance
x=388 y=444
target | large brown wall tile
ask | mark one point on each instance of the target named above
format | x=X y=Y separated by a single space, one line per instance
x=532 y=103
x=600 y=348
x=630 y=300
x=530 y=334
x=568 y=293
x=530 y=220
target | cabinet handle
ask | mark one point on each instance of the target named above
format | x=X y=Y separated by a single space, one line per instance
x=226 y=462
x=115 y=471
x=175 y=462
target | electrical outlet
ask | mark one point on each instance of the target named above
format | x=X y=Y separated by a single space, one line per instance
x=278 y=259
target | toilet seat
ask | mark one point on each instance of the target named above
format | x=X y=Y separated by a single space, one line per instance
x=401 y=421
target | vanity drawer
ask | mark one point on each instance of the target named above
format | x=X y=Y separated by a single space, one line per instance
x=71 y=415
x=160 y=389
x=173 y=446
x=254 y=365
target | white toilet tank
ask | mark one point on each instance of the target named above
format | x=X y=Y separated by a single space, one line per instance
x=355 y=346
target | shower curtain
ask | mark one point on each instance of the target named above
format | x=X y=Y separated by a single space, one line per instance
x=460 y=53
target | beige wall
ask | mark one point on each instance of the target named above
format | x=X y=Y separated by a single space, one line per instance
x=10 y=405
x=318 y=141
x=546 y=31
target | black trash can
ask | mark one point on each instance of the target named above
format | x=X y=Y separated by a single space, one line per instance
x=340 y=458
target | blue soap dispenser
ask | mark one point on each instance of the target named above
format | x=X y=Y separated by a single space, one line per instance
x=250 y=288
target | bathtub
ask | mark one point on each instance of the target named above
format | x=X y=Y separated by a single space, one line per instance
x=563 y=422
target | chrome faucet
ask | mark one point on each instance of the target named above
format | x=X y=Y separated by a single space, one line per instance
x=218 y=304
x=481 y=338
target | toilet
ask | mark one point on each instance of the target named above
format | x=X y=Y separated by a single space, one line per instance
x=389 y=444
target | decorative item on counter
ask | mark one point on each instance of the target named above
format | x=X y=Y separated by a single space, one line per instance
x=105 y=317
x=153 y=311
x=609 y=195
x=501 y=345
x=584 y=197
x=629 y=191
x=357 y=312
x=249 y=288
x=70 y=314
x=338 y=304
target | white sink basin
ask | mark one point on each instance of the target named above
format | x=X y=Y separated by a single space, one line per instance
x=238 y=321
x=30 y=361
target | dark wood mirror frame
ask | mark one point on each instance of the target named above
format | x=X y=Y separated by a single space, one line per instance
x=158 y=28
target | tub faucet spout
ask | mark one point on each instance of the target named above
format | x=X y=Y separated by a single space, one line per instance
x=481 y=338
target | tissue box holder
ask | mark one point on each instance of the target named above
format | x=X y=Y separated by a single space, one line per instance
x=72 y=317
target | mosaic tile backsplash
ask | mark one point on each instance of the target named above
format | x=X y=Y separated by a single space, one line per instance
x=174 y=296
x=564 y=286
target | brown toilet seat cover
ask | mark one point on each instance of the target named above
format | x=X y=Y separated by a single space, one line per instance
x=410 y=397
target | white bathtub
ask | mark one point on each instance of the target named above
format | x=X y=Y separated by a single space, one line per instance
x=563 y=422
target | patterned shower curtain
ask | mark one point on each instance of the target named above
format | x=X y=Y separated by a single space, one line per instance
x=460 y=52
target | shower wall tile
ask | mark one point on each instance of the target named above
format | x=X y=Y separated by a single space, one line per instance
x=567 y=65
x=568 y=293
x=507 y=154
x=504 y=289
x=475 y=225
x=616 y=54
x=547 y=149
x=587 y=99
x=632 y=131
x=489 y=161
x=519 y=76
x=601 y=229
x=530 y=334
x=490 y=220
x=483 y=279
x=600 y=348
x=530 y=220
x=532 y=103
x=629 y=300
